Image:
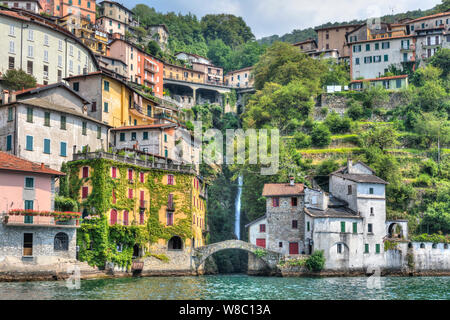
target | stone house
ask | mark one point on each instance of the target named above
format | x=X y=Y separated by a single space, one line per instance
x=241 y=78
x=49 y=124
x=348 y=224
x=115 y=17
x=334 y=37
x=39 y=237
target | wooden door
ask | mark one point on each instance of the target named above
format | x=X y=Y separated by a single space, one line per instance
x=27 y=244
x=261 y=243
x=293 y=247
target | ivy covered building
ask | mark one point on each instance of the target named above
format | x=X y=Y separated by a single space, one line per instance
x=136 y=207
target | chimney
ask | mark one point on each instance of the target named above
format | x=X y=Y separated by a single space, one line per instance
x=291 y=181
x=42 y=166
x=5 y=96
x=349 y=165
x=12 y=98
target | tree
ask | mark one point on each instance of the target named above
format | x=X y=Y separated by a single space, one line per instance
x=282 y=63
x=219 y=53
x=380 y=136
x=18 y=79
x=231 y=29
x=338 y=124
x=154 y=49
x=336 y=74
x=441 y=59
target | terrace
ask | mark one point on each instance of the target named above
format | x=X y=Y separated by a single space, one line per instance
x=28 y=218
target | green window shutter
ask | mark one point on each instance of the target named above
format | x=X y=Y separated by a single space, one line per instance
x=122 y=136
x=29 y=204
x=308 y=227
x=47 y=119
x=63 y=152
x=386 y=57
x=377 y=248
x=29 y=183
x=105 y=107
x=29 y=145
x=63 y=122
x=355 y=227
x=9 y=143
x=47 y=146
x=29 y=114
x=342 y=226
x=166 y=153
x=106 y=86
x=99 y=132
x=145 y=135
x=10 y=114
x=366 y=248
x=84 y=128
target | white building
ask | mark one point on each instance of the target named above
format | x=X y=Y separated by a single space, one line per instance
x=49 y=124
x=348 y=224
x=41 y=48
x=29 y=5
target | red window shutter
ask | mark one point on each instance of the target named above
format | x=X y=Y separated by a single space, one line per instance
x=293 y=201
x=262 y=228
x=85 y=192
x=141 y=177
x=85 y=172
x=170 y=201
x=293 y=248
x=125 y=218
x=141 y=217
x=113 y=218
x=113 y=196
x=114 y=172
x=170 y=179
x=130 y=174
x=130 y=193
x=169 y=218
x=261 y=243
x=276 y=201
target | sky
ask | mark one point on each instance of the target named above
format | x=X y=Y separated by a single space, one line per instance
x=269 y=17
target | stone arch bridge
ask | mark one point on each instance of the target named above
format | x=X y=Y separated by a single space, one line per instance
x=270 y=259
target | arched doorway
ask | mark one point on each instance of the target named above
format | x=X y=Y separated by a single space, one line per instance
x=395 y=230
x=113 y=217
x=61 y=242
x=175 y=243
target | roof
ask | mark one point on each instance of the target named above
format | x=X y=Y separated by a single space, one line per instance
x=361 y=178
x=192 y=54
x=41 y=88
x=136 y=47
x=40 y=20
x=282 y=189
x=117 y=4
x=437 y=15
x=13 y=163
x=240 y=70
x=403 y=76
x=340 y=212
x=255 y=221
x=381 y=39
x=45 y=104
x=146 y=126
x=305 y=41
x=337 y=27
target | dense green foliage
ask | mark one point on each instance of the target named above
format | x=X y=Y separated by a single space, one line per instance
x=18 y=79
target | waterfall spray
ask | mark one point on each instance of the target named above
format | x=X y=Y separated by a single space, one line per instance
x=237 y=212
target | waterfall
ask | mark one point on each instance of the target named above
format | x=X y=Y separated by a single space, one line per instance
x=237 y=212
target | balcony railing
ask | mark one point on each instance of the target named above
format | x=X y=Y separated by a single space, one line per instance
x=39 y=221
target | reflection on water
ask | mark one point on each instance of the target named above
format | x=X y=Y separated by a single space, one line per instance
x=233 y=287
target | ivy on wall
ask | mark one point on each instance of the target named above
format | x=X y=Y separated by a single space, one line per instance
x=98 y=241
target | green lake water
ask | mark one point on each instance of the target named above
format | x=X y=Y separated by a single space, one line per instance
x=234 y=287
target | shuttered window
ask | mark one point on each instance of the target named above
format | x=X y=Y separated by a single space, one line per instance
x=47 y=146
x=342 y=226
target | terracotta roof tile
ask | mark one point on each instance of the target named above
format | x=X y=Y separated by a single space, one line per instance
x=13 y=163
x=282 y=189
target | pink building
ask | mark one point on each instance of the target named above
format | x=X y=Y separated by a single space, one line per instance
x=30 y=229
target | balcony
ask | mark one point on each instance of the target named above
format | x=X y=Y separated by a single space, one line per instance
x=13 y=220
x=406 y=48
x=149 y=67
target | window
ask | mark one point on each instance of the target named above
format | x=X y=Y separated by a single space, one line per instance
x=377 y=248
x=85 y=172
x=11 y=47
x=70 y=65
x=342 y=226
x=30 y=51
x=47 y=119
x=10 y=113
x=262 y=227
x=11 y=30
x=170 y=179
x=376 y=59
x=149 y=110
x=105 y=106
x=371 y=211
x=369 y=228
x=29 y=145
x=63 y=151
x=165 y=137
x=370 y=190
x=366 y=248
x=29 y=183
x=76 y=86
x=47 y=146
x=355 y=227
x=61 y=242
x=339 y=248
x=166 y=153
x=11 y=62
x=141 y=177
x=308 y=226
x=63 y=123
x=29 y=114
x=357 y=61
x=280 y=244
x=130 y=193
x=275 y=202
x=169 y=218
x=368 y=47
x=294 y=201
x=349 y=189
x=99 y=132
x=130 y=174
x=9 y=143
x=45 y=55
x=377 y=46
x=133 y=136
x=145 y=135
x=386 y=58
x=294 y=224
x=30 y=35
x=122 y=136
x=114 y=172
x=84 y=192
x=84 y=128
x=94 y=106
x=385 y=45
x=106 y=86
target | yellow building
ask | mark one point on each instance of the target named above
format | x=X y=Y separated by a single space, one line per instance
x=116 y=103
x=170 y=203
x=175 y=72
x=90 y=34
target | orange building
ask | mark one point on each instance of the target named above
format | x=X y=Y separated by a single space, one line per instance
x=60 y=8
x=143 y=68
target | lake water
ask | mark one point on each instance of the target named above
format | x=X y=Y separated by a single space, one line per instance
x=234 y=287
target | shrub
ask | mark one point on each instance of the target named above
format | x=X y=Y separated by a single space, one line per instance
x=302 y=140
x=423 y=180
x=337 y=124
x=65 y=204
x=430 y=168
x=356 y=110
x=316 y=261
x=320 y=135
